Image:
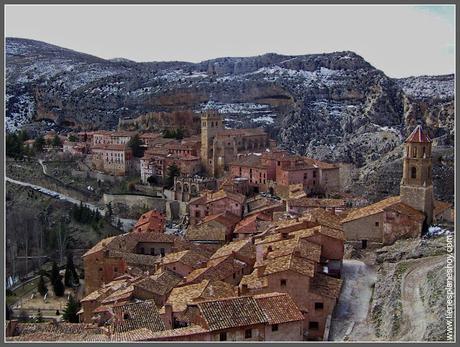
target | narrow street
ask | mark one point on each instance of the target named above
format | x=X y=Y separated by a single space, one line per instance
x=351 y=310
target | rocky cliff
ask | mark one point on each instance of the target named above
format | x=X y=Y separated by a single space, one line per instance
x=333 y=106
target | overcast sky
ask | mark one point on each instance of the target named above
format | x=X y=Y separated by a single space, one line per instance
x=400 y=40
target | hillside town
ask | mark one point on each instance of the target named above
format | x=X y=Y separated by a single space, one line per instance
x=248 y=241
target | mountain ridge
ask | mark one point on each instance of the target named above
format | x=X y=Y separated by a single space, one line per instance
x=332 y=106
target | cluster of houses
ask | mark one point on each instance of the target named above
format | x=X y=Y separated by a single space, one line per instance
x=260 y=259
x=246 y=154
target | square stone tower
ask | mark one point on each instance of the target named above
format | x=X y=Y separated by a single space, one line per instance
x=416 y=188
x=211 y=124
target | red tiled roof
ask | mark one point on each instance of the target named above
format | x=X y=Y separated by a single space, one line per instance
x=418 y=136
x=279 y=308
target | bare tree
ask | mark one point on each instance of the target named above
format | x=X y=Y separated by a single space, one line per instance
x=62 y=239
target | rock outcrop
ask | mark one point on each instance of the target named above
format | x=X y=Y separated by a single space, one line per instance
x=334 y=106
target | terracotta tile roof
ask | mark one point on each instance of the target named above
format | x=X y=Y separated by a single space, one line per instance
x=231 y=313
x=187 y=257
x=325 y=285
x=313 y=202
x=95 y=294
x=300 y=247
x=141 y=334
x=147 y=220
x=181 y=296
x=393 y=202
x=407 y=210
x=244 y=223
x=253 y=281
x=226 y=218
x=137 y=315
x=185 y=331
x=278 y=308
x=111 y=147
x=122 y=294
x=101 y=245
x=305 y=233
x=58 y=332
x=253 y=161
x=290 y=262
x=135 y=259
x=217 y=269
x=440 y=206
x=322 y=217
x=418 y=136
x=215 y=196
x=244 y=248
x=205 y=232
x=160 y=283
x=206 y=289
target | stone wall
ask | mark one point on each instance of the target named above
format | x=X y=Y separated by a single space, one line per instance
x=365 y=228
x=136 y=200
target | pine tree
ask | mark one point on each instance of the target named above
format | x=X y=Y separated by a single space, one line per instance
x=172 y=172
x=58 y=287
x=56 y=141
x=39 y=143
x=42 y=289
x=136 y=145
x=54 y=273
x=71 y=276
x=71 y=310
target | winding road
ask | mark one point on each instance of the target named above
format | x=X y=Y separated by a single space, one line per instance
x=415 y=316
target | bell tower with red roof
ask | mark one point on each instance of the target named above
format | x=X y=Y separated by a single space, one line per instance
x=416 y=188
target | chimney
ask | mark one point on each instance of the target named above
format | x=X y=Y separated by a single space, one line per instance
x=168 y=317
x=260 y=271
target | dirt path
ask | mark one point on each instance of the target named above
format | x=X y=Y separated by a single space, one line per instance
x=350 y=313
x=415 y=317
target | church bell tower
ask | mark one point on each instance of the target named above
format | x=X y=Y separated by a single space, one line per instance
x=416 y=188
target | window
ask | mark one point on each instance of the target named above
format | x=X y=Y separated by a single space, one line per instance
x=414 y=152
x=413 y=172
x=376 y=224
x=115 y=269
x=142 y=250
x=152 y=251
x=283 y=283
x=275 y=327
x=223 y=336
x=314 y=173
x=319 y=305
x=248 y=333
x=313 y=325
x=162 y=252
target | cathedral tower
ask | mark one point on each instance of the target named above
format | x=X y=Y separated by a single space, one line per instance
x=416 y=184
x=211 y=124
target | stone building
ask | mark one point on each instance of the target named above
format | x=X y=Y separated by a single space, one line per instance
x=216 y=203
x=220 y=146
x=113 y=159
x=406 y=215
x=151 y=221
x=186 y=188
x=279 y=172
x=416 y=184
